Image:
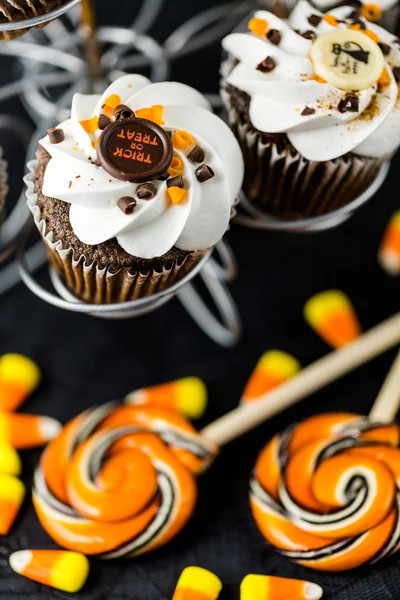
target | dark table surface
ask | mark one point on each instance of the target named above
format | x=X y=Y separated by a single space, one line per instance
x=88 y=361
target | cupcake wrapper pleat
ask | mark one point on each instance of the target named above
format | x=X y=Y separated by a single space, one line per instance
x=98 y=285
x=282 y=183
x=19 y=10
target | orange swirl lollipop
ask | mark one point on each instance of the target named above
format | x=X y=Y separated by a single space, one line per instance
x=120 y=481
x=326 y=493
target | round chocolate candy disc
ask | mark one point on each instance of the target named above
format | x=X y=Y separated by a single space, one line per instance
x=347 y=59
x=135 y=150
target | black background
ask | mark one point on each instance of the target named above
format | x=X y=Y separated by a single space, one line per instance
x=88 y=361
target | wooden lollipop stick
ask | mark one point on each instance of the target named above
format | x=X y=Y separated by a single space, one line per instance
x=387 y=402
x=312 y=378
x=88 y=28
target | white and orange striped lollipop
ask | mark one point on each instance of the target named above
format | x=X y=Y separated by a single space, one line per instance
x=326 y=492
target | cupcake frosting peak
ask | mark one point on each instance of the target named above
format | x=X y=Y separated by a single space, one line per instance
x=329 y=81
x=372 y=10
x=147 y=164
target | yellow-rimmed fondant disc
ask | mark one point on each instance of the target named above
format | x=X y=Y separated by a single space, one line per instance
x=347 y=59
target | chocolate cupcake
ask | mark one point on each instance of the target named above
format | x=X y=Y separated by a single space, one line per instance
x=12 y=11
x=129 y=194
x=314 y=104
x=384 y=12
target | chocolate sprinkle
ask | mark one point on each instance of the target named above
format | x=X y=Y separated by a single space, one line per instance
x=176 y=181
x=56 y=135
x=308 y=111
x=196 y=155
x=396 y=73
x=146 y=191
x=308 y=35
x=267 y=65
x=204 y=173
x=354 y=15
x=104 y=121
x=123 y=112
x=349 y=103
x=314 y=20
x=274 y=36
x=164 y=176
x=127 y=204
x=361 y=23
x=385 y=48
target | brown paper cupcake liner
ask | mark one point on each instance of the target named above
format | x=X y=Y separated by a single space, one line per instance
x=13 y=12
x=280 y=182
x=98 y=285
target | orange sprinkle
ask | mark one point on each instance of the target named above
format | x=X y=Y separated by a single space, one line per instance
x=153 y=113
x=182 y=139
x=372 y=12
x=176 y=194
x=176 y=166
x=319 y=79
x=384 y=79
x=157 y=114
x=356 y=27
x=75 y=148
x=331 y=20
x=112 y=102
x=258 y=26
x=371 y=34
x=91 y=125
x=94 y=143
x=143 y=113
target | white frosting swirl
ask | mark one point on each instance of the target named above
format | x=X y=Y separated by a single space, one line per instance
x=278 y=98
x=383 y=4
x=156 y=225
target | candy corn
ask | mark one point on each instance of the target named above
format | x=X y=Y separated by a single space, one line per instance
x=187 y=396
x=19 y=376
x=332 y=316
x=261 y=587
x=26 y=431
x=273 y=369
x=196 y=583
x=10 y=462
x=65 y=571
x=389 y=251
x=12 y=493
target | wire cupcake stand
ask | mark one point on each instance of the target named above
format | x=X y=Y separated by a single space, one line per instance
x=70 y=55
